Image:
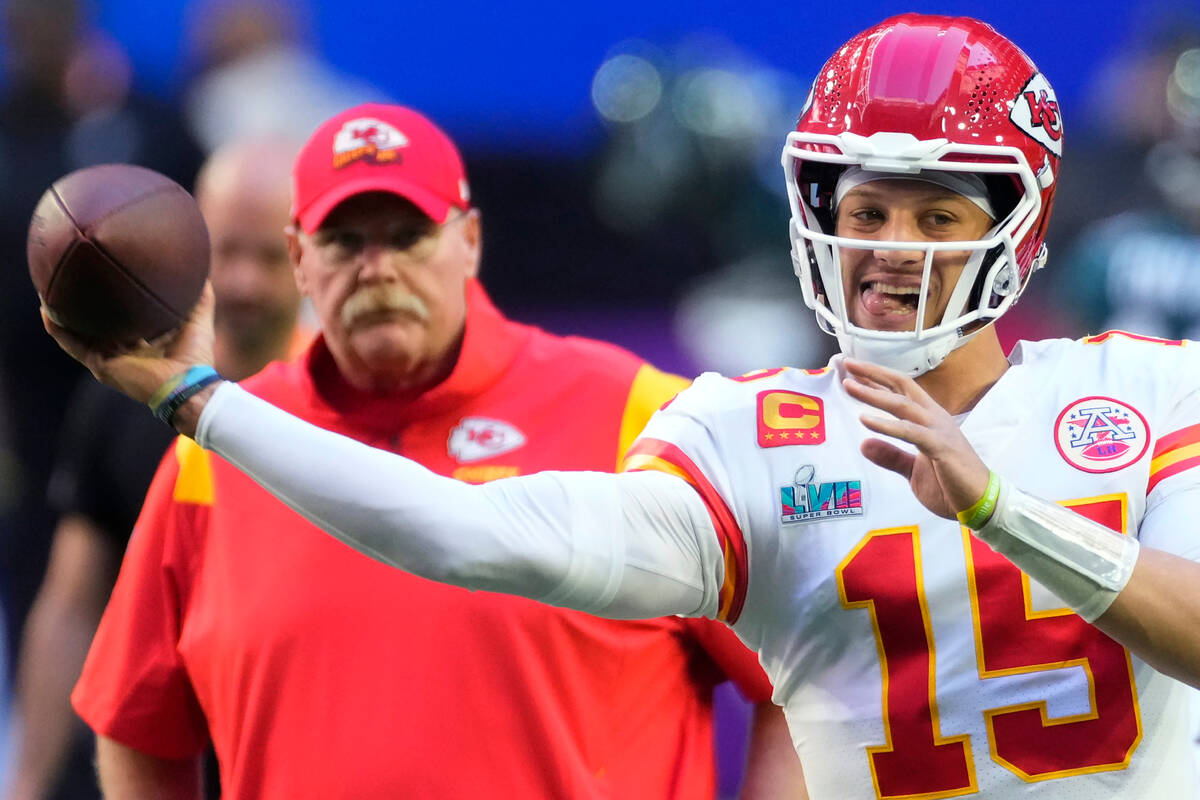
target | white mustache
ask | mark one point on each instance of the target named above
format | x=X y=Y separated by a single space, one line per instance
x=374 y=299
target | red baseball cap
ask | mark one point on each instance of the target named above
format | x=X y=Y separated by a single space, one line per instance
x=377 y=148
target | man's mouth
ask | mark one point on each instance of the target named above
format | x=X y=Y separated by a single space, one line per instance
x=381 y=304
x=887 y=299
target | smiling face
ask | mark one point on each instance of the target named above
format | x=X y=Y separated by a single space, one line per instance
x=389 y=286
x=882 y=286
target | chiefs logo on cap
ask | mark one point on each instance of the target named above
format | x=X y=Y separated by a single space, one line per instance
x=367 y=138
x=789 y=418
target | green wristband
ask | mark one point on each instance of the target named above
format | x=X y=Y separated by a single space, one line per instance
x=977 y=515
x=176 y=391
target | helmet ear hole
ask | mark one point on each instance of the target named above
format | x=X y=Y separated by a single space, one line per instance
x=1006 y=282
x=1004 y=191
x=818 y=180
x=815 y=269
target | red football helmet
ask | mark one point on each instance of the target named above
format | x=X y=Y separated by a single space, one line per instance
x=920 y=94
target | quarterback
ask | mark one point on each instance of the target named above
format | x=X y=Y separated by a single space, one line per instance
x=966 y=573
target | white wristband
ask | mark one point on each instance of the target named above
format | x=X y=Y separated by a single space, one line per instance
x=1082 y=562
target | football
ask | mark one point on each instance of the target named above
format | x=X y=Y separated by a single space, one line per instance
x=118 y=253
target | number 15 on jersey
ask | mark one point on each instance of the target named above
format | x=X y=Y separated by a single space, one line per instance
x=883 y=575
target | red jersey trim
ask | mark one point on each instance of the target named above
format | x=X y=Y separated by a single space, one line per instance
x=1101 y=338
x=1173 y=454
x=647 y=454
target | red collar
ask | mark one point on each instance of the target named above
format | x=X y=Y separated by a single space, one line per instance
x=490 y=343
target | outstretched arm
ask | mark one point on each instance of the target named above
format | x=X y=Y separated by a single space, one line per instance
x=633 y=545
x=1146 y=599
x=639 y=545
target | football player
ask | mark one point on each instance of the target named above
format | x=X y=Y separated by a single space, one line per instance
x=965 y=573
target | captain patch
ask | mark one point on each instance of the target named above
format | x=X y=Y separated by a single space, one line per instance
x=786 y=418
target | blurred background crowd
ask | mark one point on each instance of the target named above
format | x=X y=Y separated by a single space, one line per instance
x=626 y=161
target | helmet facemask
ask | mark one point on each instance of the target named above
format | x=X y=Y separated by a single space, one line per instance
x=990 y=281
x=925 y=96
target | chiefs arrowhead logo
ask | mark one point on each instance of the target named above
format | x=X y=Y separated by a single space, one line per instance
x=1035 y=111
x=477 y=438
x=367 y=139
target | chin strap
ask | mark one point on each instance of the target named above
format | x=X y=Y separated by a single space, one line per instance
x=903 y=355
x=1080 y=561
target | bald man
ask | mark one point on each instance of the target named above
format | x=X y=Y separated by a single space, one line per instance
x=244 y=192
x=110 y=448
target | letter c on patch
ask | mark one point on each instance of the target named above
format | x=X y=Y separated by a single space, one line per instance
x=789 y=410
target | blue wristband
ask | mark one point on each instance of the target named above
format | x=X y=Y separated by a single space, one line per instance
x=176 y=391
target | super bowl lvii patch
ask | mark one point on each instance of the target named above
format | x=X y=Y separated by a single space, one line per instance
x=808 y=499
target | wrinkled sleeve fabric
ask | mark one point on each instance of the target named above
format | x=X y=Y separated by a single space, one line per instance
x=684 y=439
x=652 y=392
x=628 y=546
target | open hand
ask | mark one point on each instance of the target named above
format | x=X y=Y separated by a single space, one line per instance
x=137 y=371
x=945 y=473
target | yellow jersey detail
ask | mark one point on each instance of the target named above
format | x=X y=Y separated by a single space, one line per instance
x=194 y=484
x=482 y=473
x=649 y=390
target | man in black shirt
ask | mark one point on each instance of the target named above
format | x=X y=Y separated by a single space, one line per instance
x=111 y=447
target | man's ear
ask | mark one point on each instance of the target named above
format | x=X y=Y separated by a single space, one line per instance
x=295 y=250
x=473 y=236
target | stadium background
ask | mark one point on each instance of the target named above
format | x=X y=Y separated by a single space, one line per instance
x=668 y=219
x=625 y=155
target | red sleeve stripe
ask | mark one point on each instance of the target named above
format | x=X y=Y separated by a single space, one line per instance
x=665 y=457
x=1173 y=469
x=1173 y=441
x=1173 y=454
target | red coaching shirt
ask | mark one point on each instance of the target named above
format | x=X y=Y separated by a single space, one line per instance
x=320 y=673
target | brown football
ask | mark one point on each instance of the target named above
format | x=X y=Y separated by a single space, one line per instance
x=118 y=253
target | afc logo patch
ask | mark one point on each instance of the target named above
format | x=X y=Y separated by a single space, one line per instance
x=1100 y=434
x=806 y=500
x=786 y=418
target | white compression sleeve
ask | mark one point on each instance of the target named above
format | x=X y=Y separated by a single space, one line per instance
x=1082 y=562
x=623 y=546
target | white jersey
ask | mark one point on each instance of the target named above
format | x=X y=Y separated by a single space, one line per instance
x=911 y=660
